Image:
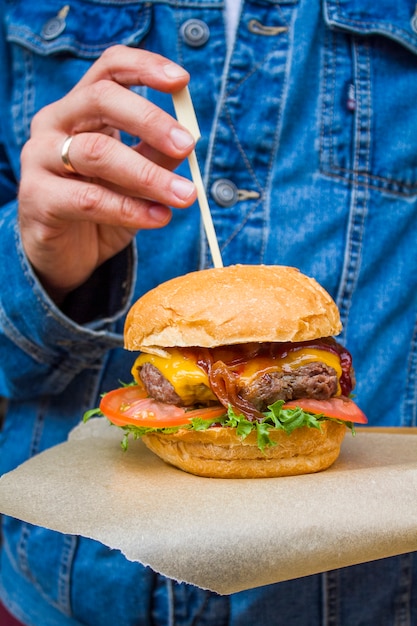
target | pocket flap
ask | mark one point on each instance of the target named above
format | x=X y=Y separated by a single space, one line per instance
x=85 y=29
x=396 y=20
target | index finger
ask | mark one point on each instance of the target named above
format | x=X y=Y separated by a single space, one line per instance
x=131 y=66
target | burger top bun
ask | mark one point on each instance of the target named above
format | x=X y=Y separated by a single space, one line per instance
x=231 y=305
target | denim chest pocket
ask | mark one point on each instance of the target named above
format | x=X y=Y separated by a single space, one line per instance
x=83 y=29
x=369 y=90
x=52 y=44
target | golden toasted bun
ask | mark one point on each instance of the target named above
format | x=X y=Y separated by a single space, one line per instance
x=231 y=305
x=219 y=453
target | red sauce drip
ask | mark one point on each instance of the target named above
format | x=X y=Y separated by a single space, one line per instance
x=222 y=367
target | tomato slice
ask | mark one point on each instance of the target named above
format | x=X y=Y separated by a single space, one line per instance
x=131 y=405
x=340 y=408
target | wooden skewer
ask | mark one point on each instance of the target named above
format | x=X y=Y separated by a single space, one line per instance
x=185 y=113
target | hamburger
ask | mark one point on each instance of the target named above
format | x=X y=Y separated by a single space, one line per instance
x=238 y=374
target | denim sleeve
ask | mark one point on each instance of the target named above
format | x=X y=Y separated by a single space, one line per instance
x=42 y=348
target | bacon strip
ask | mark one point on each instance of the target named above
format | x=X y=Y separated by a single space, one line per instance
x=222 y=367
x=223 y=384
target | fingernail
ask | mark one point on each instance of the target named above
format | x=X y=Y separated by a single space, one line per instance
x=159 y=213
x=181 y=138
x=182 y=188
x=172 y=70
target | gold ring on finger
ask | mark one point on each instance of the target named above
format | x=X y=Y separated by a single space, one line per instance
x=65 y=155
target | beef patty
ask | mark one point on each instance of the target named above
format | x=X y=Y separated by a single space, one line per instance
x=314 y=380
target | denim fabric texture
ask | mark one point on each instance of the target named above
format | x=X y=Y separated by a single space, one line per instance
x=310 y=125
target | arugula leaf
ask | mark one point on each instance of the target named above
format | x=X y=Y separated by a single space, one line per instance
x=262 y=436
x=91 y=413
x=290 y=419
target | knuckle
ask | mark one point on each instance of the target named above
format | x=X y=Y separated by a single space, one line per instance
x=41 y=120
x=96 y=148
x=151 y=117
x=110 y=54
x=28 y=188
x=147 y=175
x=89 y=198
x=97 y=204
x=30 y=156
x=26 y=152
x=127 y=210
x=99 y=93
x=27 y=191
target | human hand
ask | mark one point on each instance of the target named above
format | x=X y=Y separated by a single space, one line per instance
x=71 y=223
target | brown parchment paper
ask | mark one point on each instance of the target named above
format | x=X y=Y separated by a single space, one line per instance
x=226 y=535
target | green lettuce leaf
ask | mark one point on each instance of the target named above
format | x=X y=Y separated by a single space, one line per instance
x=275 y=417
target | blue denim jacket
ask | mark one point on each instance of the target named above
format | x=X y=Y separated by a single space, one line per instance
x=309 y=154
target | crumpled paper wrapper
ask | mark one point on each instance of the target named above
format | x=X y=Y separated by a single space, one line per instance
x=225 y=535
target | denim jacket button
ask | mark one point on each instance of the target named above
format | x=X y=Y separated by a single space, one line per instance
x=224 y=192
x=53 y=28
x=195 y=33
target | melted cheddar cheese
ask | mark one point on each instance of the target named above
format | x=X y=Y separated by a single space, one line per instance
x=191 y=382
x=293 y=359
x=188 y=379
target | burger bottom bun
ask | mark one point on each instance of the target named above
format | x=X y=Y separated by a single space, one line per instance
x=219 y=453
